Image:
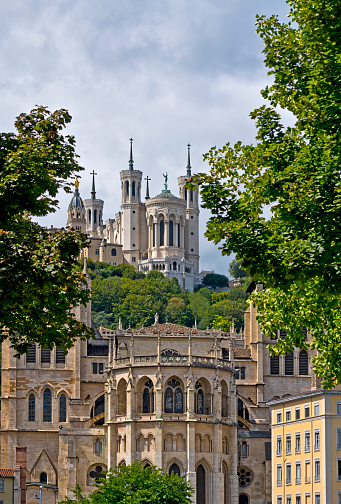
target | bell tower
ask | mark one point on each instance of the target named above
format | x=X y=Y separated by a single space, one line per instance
x=94 y=211
x=192 y=215
x=76 y=211
x=133 y=225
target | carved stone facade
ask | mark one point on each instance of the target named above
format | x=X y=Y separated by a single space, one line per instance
x=188 y=401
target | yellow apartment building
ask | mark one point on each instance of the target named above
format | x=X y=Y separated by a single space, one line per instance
x=306 y=448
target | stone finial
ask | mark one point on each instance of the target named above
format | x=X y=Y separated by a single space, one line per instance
x=189 y=173
x=131 y=161
x=120 y=324
x=156 y=321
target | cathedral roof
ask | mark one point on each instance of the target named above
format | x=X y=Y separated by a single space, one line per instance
x=165 y=194
x=76 y=201
x=7 y=473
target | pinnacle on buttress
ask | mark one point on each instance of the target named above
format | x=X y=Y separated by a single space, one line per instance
x=131 y=161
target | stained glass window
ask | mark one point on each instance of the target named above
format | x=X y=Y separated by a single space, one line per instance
x=178 y=400
x=146 y=400
x=47 y=406
x=31 y=408
x=169 y=400
x=62 y=408
x=200 y=402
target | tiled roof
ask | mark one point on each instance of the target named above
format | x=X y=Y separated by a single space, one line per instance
x=7 y=473
x=242 y=353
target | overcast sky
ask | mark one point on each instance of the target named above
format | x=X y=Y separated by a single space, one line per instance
x=165 y=72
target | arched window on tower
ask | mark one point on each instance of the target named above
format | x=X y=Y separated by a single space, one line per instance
x=171 y=233
x=113 y=252
x=62 y=408
x=179 y=242
x=127 y=188
x=191 y=196
x=162 y=233
x=185 y=194
x=303 y=363
x=47 y=405
x=95 y=216
x=89 y=216
x=133 y=185
x=31 y=408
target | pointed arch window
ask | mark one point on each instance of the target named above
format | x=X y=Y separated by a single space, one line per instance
x=62 y=408
x=173 y=397
x=47 y=405
x=175 y=469
x=31 y=408
x=148 y=398
x=199 y=399
x=162 y=233
x=303 y=363
x=201 y=485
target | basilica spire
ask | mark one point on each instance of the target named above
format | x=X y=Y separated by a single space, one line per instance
x=147 y=188
x=93 y=190
x=131 y=161
x=189 y=174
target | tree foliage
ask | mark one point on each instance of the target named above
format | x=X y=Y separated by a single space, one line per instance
x=136 y=300
x=39 y=285
x=236 y=270
x=276 y=204
x=215 y=281
x=136 y=485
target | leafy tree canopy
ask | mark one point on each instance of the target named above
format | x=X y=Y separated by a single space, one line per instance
x=214 y=280
x=236 y=270
x=136 y=485
x=276 y=204
x=39 y=286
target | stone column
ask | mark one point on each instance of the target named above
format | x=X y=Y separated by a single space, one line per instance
x=218 y=476
x=190 y=454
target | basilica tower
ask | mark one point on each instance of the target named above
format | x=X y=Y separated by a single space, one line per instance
x=94 y=212
x=133 y=224
x=76 y=211
x=192 y=215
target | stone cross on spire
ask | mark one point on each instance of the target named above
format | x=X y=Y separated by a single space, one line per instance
x=189 y=174
x=131 y=161
x=93 y=191
x=147 y=188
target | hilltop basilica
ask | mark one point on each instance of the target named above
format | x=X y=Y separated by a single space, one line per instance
x=161 y=233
